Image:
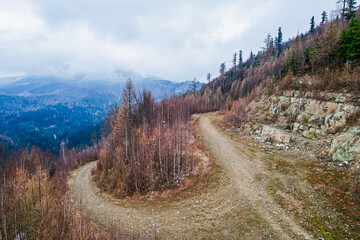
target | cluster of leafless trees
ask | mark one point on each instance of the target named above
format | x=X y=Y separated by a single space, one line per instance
x=150 y=144
x=34 y=200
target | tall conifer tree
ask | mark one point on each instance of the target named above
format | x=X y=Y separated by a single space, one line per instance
x=312 y=24
x=324 y=16
x=235 y=61
x=279 y=40
x=208 y=77
x=350 y=9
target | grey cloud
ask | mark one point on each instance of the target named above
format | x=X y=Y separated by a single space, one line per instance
x=175 y=40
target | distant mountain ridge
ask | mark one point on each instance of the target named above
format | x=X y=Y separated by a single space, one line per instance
x=68 y=89
x=43 y=110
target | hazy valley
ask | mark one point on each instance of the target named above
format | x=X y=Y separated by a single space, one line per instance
x=46 y=110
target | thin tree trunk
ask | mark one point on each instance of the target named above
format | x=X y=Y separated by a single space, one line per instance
x=41 y=208
x=134 y=165
x=174 y=159
x=3 y=196
x=160 y=161
x=187 y=148
x=126 y=144
x=167 y=164
x=179 y=154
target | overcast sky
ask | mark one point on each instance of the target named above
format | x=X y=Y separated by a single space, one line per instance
x=172 y=39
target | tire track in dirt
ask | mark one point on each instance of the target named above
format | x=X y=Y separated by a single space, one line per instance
x=204 y=215
x=243 y=167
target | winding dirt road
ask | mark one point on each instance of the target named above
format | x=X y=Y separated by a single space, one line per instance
x=235 y=207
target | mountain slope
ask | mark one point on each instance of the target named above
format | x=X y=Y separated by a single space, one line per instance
x=77 y=87
x=43 y=110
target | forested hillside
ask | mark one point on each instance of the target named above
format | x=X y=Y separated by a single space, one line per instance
x=326 y=58
x=299 y=96
x=47 y=125
x=309 y=85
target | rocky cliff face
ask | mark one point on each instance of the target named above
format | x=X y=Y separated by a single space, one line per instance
x=327 y=123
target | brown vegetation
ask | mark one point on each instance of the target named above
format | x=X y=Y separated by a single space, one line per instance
x=35 y=203
x=312 y=62
x=150 y=146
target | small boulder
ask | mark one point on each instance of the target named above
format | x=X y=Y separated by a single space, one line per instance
x=296 y=127
x=276 y=135
x=330 y=107
x=267 y=130
x=303 y=128
x=340 y=99
x=309 y=134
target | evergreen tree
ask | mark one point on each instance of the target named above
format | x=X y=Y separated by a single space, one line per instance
x=350 y=9
x=251 y=55
x=293 y=62
x=208 y=77
x=342 y=7
x=235 y=61
x=222 y=68
x=349 y=46
x=324 y=16
x=240 y=57
x=251 y=61
x=312 y=24
x=279 y=41
x=193 y=85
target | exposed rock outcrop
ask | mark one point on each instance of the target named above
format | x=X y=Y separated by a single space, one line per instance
x=324 y=119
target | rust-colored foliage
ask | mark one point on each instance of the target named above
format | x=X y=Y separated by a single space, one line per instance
x=307 y=62
x=150 y=145
x=35 y=203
